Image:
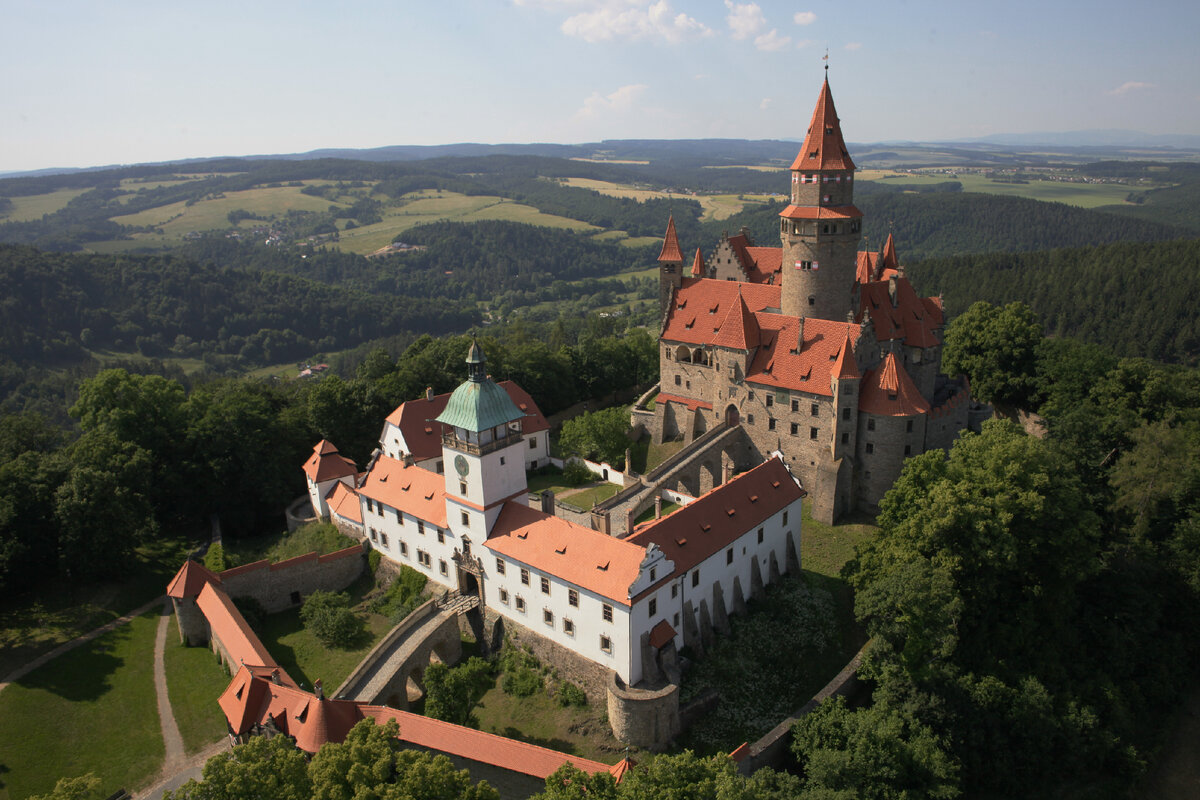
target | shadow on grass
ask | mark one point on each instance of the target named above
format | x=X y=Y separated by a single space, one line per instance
x=561 y=745
x=4 y=769
x=274 y=629
x=83 y=674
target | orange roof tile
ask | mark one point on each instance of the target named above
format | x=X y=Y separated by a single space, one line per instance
x=739 y=329
x=671 y=254
x=228 y=625
x=344 y=503
x=868 y=263
x=423 y=435
x=623 y=766
x=488 y=748
x=587 y=558
x=325 y=464
x=888 y=255
x=821 y=212
x=691 y=403
x=766 y=262
x=698 y=265
x=700 y=529
x=661 y=633
x=701 y=305
x=824 y=147
x=779 y=364
x=846 y=365
x=413 y=490
x=888 y=390
x=910 y=319
x=190 y=579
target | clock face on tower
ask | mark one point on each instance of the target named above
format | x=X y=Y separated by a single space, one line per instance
x=461 y=465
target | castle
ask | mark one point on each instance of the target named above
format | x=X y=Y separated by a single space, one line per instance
x=823 y=354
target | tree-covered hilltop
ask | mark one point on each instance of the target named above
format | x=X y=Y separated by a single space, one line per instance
x=1131 y=298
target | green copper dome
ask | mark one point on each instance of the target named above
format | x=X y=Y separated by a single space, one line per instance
x=479 y=404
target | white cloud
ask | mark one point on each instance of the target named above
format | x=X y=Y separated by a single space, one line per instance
x=627 y=19
x=745 y=20
x=772 y=41
x=804 y=18
x=765 y=104
x=618 y=102
x=854 y=45
x=1130 y=86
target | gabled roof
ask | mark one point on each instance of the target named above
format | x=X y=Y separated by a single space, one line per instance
x=765 y=264
x=228 y=625
x=589 y=559
x=888 y=390
x=846 y=365
x=326 y=465
x=779 y=363
x=867 y=267
x=739 y=329
x=344 y=503
x=411 y=489
x=190 y=579
x=701 y=305
x=417 y=420
x=717 y=519
x=824 y=147
x=671 y=254
x=698 y=265
x=911 y=319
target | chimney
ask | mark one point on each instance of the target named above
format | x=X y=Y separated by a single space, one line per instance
x=548 y=502
x=428 y=392
x=726 y=472
x=892 y=289
x=318 y=689
x=800 y=337
x=275 y=679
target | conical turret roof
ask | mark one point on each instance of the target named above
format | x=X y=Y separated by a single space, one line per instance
x=739 y=330
x=824 y=147
x=846 y=365
x=890 y=261
x=698 y=265
x=671 y=254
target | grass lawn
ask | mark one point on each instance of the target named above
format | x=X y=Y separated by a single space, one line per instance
x=658 y=453
x=34 y=624
x=91 y=710
x=176 y=219
x=1083 y=195
x=305 y=658
x=716 y=206
x=824 y=549
x=587 y=498
x=542 y=721
x=34 y=206
x=195 y=679
x=648 y=514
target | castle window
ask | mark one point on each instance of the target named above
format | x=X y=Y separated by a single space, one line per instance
x=695 y=579
x=845 y=413
x=441 y=468
x=403 y=549
x=652 y=573
x=545 y=585
x=573 y=598
x=399 y=517
x=845 y=438
x=795 y=429
x=729 y=556
x=423 y=558
x=749 y=419
x=504 y=596
x=870 y=448
x=676 y=620
x=502 y=461
x=524 y=577
x=908 y=427
x=674 y=590
x=760 y=535
x=908 y=449
x=770 y=423
x=606 y=644
x=678 y=380
x=812 y=433
x=462 y=487
x=652 y=607
x=815 y=409
x=770 y=400
x=784 y=518
x=870 y=424
x=383 y=539
x=532 y=442
x=466 y=520
x=568 y=627
x=548 y=617
x=891 y=396
x=520 y=604
x=606 y=612
x=441 y=536
x=374 y=535
x=812 y=301
x=795 y=405
x=442 y=566
x=499 y=566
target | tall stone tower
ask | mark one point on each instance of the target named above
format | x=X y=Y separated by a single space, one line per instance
x=670 y=266
x=821 y=228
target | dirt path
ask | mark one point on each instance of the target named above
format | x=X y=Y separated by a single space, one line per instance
x=172 y=740
x=21 y=672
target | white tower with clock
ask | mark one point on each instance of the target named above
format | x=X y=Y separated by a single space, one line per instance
x=481 y=446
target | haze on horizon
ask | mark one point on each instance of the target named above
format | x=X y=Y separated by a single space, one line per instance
x=95 y=84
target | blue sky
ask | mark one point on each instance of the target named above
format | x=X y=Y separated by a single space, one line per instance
x=126 y=81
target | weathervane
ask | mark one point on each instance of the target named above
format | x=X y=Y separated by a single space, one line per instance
x=825 y=58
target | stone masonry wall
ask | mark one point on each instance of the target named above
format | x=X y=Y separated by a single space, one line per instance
x=587 y=674
x=282 y=585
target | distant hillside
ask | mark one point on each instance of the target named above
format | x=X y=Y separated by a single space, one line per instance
x=1136 y=299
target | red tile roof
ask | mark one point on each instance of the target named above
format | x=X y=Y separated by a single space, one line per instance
x=488 y=748
x=810 y=369
x=661 y=633
x=691 y=403
x=715 y=520
x=868 y=266
x=190 y=579
x=765 y=264
x=888 y=390
x=911 y=319
x=739 y=329
x=619 y=769
x=823 y=145
x=228 y=625
x=413 y=490
x=889 y=253
x=344 y=503
x=587 y=558
x=846 y=365
x=698 y=265
x=423 y=435
x=821 y=212
x=325 y=464
x=671 y=254
x=701 y=305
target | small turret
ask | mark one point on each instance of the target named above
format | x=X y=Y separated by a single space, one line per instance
x=670 y=266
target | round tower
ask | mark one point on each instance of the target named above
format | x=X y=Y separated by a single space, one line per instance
x=820 y=229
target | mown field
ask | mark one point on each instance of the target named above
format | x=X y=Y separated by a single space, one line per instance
x=34 y=206
x=716 y=206
x=1083 y=195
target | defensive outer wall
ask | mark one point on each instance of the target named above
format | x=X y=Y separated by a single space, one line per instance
x=286 y=583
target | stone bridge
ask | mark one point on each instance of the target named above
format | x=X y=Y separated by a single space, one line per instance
x=706 y=463
x=393 y=672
